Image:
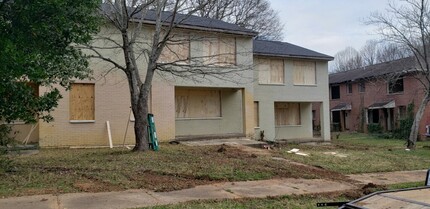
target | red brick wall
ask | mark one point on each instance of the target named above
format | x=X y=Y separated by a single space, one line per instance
x=377 y=91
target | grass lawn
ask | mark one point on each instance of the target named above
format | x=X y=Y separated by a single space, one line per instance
x=173 y=167
x=360 y=153
x=177 y=166
x=290 y=202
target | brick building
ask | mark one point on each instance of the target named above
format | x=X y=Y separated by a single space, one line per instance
x=377 y=94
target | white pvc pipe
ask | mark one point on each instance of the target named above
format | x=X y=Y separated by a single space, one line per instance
x=109 y=134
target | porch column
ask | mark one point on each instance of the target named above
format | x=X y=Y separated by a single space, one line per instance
x=248 y=113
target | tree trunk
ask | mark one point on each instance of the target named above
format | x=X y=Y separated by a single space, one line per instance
x=141 y=126
x=416 y=124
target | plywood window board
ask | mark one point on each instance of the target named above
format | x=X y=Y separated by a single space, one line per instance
x=270 y=71
x=304 y=73
x=287 y=113
x=256 y=115
x=177 y=50
x=197 y=103
x=219 y=51
x=82 y=101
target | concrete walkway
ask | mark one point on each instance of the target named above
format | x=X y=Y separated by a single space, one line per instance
x=229 y=190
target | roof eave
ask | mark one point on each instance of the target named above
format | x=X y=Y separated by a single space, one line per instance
x=191 y=27
x=294 y=56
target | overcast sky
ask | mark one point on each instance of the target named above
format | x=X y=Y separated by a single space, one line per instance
x=327 y=26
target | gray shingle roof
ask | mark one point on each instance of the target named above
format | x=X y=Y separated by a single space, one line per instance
x=397 y=66
x=191 y=22
x=284 y=49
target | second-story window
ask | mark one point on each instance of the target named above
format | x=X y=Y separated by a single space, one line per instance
x=395 y=86
x=349 y=88
x=270 y=71
x=335 y=92
x=304 y=73
x=176 y=51
x=219 y=51
x=362 y=87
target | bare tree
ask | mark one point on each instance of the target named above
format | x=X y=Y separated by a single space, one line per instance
x=409 y=25
x=142 y=42
x=256 y=15
x=389 y=51
x=347 y=59
x=369 y=52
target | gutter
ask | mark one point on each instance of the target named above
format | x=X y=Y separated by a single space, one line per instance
x=295 y=56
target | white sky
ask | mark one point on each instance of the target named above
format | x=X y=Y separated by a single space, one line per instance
x=327 y=26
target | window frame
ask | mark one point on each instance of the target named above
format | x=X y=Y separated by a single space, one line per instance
x=218 y=116
x=331 y=92
x=256 y=114
x=314 y=66
x=361 y=87
x=271 y=71
x=391 y=84
x=215 y=59
x=276 y=109
x=186 y=61
x=71 y=103
x=349 y=88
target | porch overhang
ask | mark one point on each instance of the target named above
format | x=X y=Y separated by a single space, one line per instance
x=342 y=106
x=382 y=105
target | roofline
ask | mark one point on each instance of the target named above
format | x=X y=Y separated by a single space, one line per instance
x=183 y=26
x=295 y=56
x=402 y=73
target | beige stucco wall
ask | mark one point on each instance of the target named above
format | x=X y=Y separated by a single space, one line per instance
x=112 y=101
x=267 y=95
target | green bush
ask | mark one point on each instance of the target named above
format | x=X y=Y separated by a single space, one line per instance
x=5 y=140
x=404 y=129
x=374 y=128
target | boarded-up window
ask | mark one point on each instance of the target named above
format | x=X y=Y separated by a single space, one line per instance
x=287 y=113
x=197 y=103
x=177 y=50
x=82 y=101
x=304 y=73
x=256 y=116
x=270 y=71
x=219 y=51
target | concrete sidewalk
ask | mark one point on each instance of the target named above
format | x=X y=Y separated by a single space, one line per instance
x=228 y=190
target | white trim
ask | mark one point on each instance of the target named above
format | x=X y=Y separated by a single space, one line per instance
x=82 y=121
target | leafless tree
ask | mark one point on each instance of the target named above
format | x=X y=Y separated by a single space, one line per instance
x=256 y=15
x=347 y=59
x=389 y=51
x=369 y=52
x=408 y=24
x=134 y=45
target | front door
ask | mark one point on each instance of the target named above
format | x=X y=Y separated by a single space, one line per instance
x=346 y=115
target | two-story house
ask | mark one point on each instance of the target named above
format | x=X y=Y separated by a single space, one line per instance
x=273 y=92
x=376 y=94
x=290 y=80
